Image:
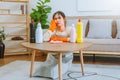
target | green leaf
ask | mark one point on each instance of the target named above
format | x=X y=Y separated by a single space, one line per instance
x=2 y=34
x=41 y=12
x=47 y=1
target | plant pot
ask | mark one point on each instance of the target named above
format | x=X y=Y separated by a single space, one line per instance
x=2 y=49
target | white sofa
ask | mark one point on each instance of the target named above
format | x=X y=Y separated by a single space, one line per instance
x=102 y=31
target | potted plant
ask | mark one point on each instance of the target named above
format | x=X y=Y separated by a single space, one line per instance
x=2 y=34
x=2 y=46
x=41 y=13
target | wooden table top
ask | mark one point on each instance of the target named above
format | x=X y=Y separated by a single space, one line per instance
x=57 y=47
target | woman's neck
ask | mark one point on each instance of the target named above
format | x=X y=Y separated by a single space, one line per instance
x=61 y=29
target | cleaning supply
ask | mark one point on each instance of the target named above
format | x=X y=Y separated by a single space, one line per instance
x=73 y=34
x=56 y=42
x=32 y=32
x=79 y=31
x=39 y=34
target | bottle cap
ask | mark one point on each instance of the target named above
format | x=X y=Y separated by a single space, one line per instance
x=32 y=20
x=79 y=20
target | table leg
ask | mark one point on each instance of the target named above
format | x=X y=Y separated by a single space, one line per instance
x=60 y=66
x=82 y=62
x=32 y=62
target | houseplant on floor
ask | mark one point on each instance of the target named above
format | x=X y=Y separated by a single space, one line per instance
x=2 y=45
x=41 y=13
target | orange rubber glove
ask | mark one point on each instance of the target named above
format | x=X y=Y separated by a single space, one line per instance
x=59 y=39
x=52 y=25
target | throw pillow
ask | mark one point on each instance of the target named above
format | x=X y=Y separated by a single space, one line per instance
x=118 y=29
x=100 y=28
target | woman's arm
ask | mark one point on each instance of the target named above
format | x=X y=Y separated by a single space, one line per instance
x=59 y=38
x=47 y=35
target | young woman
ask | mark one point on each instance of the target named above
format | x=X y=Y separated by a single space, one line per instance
x=57 y=32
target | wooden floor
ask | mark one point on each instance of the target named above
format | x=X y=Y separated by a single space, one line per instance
x=11 y=58
x=87 y=59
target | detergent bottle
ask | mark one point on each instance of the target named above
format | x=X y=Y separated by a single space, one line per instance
x=73 y=34
x=79 y=31
x=39 y=34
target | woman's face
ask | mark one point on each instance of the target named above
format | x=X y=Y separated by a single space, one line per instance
x=60 y=22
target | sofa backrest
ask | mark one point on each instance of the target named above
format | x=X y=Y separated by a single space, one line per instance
x=88 y=18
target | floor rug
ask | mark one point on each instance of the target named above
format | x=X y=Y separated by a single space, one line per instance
x=19 y=70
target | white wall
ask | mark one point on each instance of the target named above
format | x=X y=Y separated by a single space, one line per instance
x=69 y=7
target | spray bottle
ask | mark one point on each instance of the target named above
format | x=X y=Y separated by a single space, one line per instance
x=39 y=34
x=73 y=34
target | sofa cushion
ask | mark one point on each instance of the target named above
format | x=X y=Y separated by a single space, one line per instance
x=114 y=29
x=74 y=21
x=102 y=41
x=104 y=49
x=118 y=29
x=100 y=28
